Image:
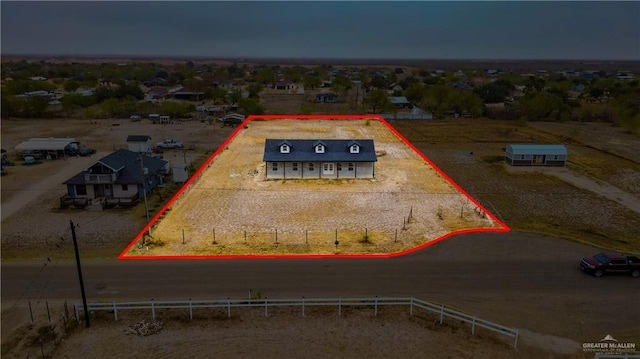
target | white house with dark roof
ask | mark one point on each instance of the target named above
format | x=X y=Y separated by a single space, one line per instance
x=314 y=159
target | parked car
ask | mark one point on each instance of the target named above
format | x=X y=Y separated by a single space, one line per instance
x=84 y=152
x=166 y=144
x=609 y=262
x=135 y=118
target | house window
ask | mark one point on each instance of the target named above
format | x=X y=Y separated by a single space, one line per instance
x=81 y=190
x=522 y=157
x=339 y=166
x=284 y=149
x=311 y=167
x=274 y=166
x=319 y=149
x=294 y=166
x=355 y=149
x=555 y=157
x=125 y=187
x=327 y=167
x=350 y=166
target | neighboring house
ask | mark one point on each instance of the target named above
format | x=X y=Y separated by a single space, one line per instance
x=158 y=81
x=399 y=101
x=222 y=84
x=38 y=78
x=290 y=159
x=326 y=97
x=284 y=85
x=117 y=179
x=48 y=148
x=182 y=94
x=536 y=155
x=156 y=93
x=139 y=143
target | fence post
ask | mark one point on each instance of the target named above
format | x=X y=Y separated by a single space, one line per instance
x=265 y=307
x=75 y=309
x=376 y=307
x=441 y=313
x=115 y=311
x=48 y=312
x=30 y=312
x=228 y=307
x=515 y=342
x=153 y=311
x=411 y=307
x=473 y=325
x=190 y=310
x=303 y=307
x=339 y=308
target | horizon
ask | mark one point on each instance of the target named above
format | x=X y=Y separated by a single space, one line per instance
x=513 y=31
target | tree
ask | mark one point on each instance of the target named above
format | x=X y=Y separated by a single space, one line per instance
x=255 y=89
x=251 y=106
x=415 y=92
x=544 y=106
x=494 y=91
x=311 y=82
x=71 y=86
x=341 y=85
x=378 y=102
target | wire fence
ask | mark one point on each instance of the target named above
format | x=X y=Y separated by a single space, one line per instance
x=303 y=303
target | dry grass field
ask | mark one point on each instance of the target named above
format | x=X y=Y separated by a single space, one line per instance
x=407 y=204
x=540 y=201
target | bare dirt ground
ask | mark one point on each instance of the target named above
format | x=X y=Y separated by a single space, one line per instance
x=233 y=197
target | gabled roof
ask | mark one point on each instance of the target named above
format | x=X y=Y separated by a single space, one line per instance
x=304 y=151
x=138 y=138
x=537 y=149
x=128 y=163
x=398 y=100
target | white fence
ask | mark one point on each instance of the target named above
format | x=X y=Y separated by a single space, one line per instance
x=303 y=303
x=407 y=116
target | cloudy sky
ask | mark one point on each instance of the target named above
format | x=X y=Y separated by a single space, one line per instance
x=355 y=29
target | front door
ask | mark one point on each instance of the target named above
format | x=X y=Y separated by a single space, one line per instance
x=98 y=191
x=107 y=190
x=327 y=168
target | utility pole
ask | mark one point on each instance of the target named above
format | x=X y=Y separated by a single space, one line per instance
x=144 y=192
x=84 y=296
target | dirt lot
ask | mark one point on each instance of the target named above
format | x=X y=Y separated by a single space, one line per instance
x=233 y=197
x=30 y=194
x=357 y=333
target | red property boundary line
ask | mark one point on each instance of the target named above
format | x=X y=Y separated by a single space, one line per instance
x=503 y=227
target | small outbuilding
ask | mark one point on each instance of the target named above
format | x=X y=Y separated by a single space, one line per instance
x=139 y=143
x=48 y=148
x=536 y=155
x=180 y=173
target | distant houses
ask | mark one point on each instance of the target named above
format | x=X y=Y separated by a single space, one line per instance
x=326 y=97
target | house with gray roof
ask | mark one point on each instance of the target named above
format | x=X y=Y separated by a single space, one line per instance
x=315 y=159
x=536 y=155
x=121 y=178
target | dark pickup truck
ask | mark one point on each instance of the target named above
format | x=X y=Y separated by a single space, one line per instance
x=609 y=262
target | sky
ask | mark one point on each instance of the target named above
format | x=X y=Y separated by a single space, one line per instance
x=323 y=29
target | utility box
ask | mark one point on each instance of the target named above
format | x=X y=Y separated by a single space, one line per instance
x=180 y=173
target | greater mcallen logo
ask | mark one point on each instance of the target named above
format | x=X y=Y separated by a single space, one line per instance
x=609 y=344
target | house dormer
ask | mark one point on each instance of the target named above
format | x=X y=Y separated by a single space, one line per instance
x=354 y=147
x=285 y=147
x=319 y=147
